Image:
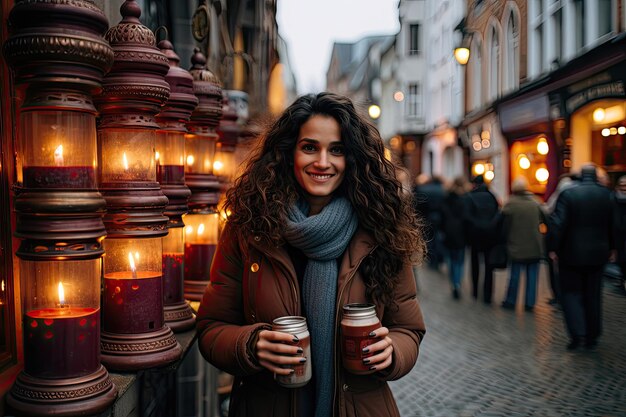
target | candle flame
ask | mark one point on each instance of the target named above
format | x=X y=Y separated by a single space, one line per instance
x=125 y=161
x=218 y=166
x=61 y=294
x=156 y=155
x=2 y=285
x=190 y=160
x=189 y=230
x=131 y=261
x=201 y=228
x=58 y=155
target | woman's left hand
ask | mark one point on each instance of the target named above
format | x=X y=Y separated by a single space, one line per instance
x=382 y=349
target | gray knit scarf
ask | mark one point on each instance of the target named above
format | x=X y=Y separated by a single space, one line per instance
x=322 y=238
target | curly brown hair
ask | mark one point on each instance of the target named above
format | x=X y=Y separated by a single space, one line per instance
x=261 y=197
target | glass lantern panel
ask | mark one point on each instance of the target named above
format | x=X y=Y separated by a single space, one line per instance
x=170 y=157
x=173 y=257
x=61 y=301
x=126 y=155
x=132 y=298
x=224 y=164
x=199 y=154
x=201 y=236
x=59 y=284
x=58 y=149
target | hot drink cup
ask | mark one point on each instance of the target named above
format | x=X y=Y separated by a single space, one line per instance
x=358 y=321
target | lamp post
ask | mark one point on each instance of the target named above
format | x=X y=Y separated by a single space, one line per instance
x=202 y=220
x=171 y=175
x=59 y=59
x=134 y=334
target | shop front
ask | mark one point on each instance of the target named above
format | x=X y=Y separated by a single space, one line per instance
x=531 y=142
x=596 y=109
x=574 y=116
x=487 y=152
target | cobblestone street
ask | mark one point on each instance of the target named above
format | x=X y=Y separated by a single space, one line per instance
x=481 y=360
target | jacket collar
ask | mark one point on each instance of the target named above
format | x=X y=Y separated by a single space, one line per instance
x=361 y=245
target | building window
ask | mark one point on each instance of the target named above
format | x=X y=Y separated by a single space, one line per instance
x=414 y=44
x=494 y=61
x=604 y=17
x=539 y=55
x=557 y=19
x=579 y=28
x=476 y=86
x=512 y=50
x=414 y=101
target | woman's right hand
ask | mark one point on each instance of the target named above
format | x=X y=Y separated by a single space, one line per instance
x=278 y=351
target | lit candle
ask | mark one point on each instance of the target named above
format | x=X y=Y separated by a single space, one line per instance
x=61 y=296
x=172 y=260
x=131 y=261
x=218 y=167
x=58 y=156
x=133 y=299
x=62 y=342
x=125 y=161
x=200 y=247
x=59 y=175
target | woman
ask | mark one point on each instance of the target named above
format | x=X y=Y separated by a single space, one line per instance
x=524 y=225
x=455 y=234
x=319 y=220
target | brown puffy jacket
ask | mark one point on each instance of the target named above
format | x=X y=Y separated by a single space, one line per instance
x=252 y=284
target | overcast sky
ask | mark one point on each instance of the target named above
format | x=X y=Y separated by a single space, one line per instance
x=311 y=26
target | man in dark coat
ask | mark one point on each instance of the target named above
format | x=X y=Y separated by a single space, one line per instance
x=620 y=224
x=581 y=235
x=484 y=227
x=429 y=199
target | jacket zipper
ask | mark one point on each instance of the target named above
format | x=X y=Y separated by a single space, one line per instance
x=341 y=290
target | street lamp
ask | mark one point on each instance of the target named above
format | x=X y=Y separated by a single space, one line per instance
x=374 y=111
x=462 y=52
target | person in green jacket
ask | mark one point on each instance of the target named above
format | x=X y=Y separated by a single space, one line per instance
x=524 y=226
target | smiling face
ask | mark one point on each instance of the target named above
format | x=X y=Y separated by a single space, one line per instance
x=319 y=160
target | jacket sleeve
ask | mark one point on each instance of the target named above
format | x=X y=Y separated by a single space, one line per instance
x=406 y=327
x=223 y=335
x=556 y=226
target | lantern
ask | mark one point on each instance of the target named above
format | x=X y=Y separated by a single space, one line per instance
x=59 y=58
x=202 y=221
x=134 y=335
x=235 y=113
x=170 y=174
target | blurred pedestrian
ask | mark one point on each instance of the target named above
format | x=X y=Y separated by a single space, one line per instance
x=524 y=223
x=620 y=224
x=484 y=229
x=454 y=227
x=429 y=197
x=318 y=220
x=581 y=234
x=566 y=181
